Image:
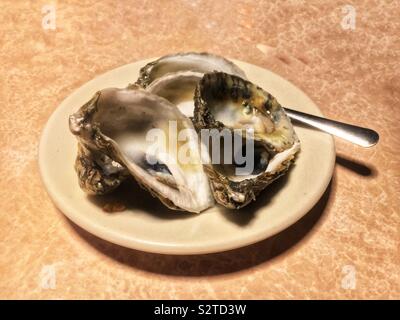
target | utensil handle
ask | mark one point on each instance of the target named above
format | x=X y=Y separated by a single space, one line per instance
x=363 y=137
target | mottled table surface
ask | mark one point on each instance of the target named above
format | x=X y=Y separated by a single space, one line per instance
x=346 y=247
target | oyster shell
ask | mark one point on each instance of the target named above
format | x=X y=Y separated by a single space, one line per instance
x=97 y=172
x=228 y=102
x=178 y=88
x=190 y=61
x=112 y=130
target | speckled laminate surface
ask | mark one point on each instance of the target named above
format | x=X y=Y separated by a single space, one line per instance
x=348 y=246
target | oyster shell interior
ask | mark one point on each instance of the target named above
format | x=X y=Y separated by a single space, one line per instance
x=117 y=123
x=174 y=77
x=178 y=88
x=227 y=102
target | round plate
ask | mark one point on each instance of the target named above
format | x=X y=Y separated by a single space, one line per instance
x=146 y=224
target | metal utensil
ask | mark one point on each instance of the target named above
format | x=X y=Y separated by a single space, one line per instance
x=363 y=137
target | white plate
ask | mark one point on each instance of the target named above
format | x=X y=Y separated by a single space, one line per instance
x=146 y=224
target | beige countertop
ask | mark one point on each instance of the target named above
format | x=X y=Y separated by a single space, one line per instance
x=348 y=246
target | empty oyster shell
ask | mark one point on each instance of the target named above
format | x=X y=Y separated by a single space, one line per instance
x=177 y=88
x=228 y=102
x=112 y=129
x=191 y=61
